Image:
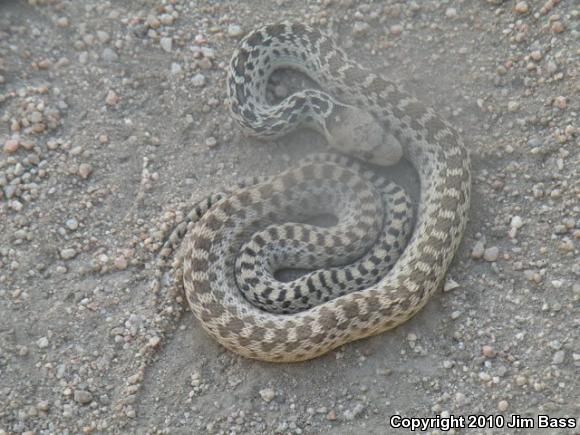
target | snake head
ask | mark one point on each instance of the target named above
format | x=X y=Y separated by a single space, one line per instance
x=353 y=131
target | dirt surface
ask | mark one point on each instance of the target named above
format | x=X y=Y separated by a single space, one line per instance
x=113 y=119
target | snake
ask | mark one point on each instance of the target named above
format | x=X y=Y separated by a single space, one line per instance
x=374 y=276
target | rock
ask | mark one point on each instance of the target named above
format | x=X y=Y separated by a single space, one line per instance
x=502 y=406
x=557 y=27
x=513 y=106
x=521 y=8
x=85 y=170
x=396 y=29
x=488 y=351
x=360 y=28
x=83 y=397
x=198 y=80
x=267 y=394
x=235 y=31
x=355 y=412
x=449 y=285
x=103 y=36
x=11 y=145
x=478 y=250
x=176 y=68
x=42 y=342
x=43 y=405
x=515 y=224
x=72 y=224
x=120 y=263
x=560 y=102
x=166 y=44
x=112 y=98
x=62 y=22
x=559 y=357
x=451 y=13
x=68 y=253
x=491 y=254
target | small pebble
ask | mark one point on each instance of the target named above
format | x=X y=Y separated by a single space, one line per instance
x=198 y=80
x=449 y=285
x=103 y=36
x=355 y=412
x=267 y=394
x=360 y=28
x=166 y=44
x=68 y=253
x=43 y=405
x=557 y=27
x=62 y=22
x=85 y=170
x=72 y=224
x=396 y=29
x=478 y=250
x=491 y=254
x=42 y=342
x=451 y=13
x=485 y=377
x=120 y=263
x=176 y=68
x=513 y=106
x=83 y=397
x=488 y=351
x=502 y=406
x=522 y=8
x=211 y=142
x=560 y=102
x=112 y=98
x=235 y=31
x=11 y=145
x=559 y=357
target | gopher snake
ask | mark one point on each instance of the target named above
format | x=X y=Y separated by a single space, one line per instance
x=367 y=117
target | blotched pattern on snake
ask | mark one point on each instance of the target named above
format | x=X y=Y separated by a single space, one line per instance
x=245 y=234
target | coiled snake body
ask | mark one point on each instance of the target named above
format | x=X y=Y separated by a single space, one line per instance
x=360 y=114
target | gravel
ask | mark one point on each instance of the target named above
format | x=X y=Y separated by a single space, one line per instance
x=114 y=121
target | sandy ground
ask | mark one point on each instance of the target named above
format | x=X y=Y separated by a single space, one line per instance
x=112 y=121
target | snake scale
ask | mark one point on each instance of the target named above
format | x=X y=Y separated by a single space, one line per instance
x=364 y=116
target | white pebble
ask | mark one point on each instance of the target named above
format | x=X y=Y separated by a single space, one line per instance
x=175 y=68
x=198 y=80
x=72 y=224
x=491 y=254
x=42 y=343
x=502 y=406
x=68 y=253
x=267 y=394
x=166 y=44
x=85 y=170
x=235 y=31
x=451 y=13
